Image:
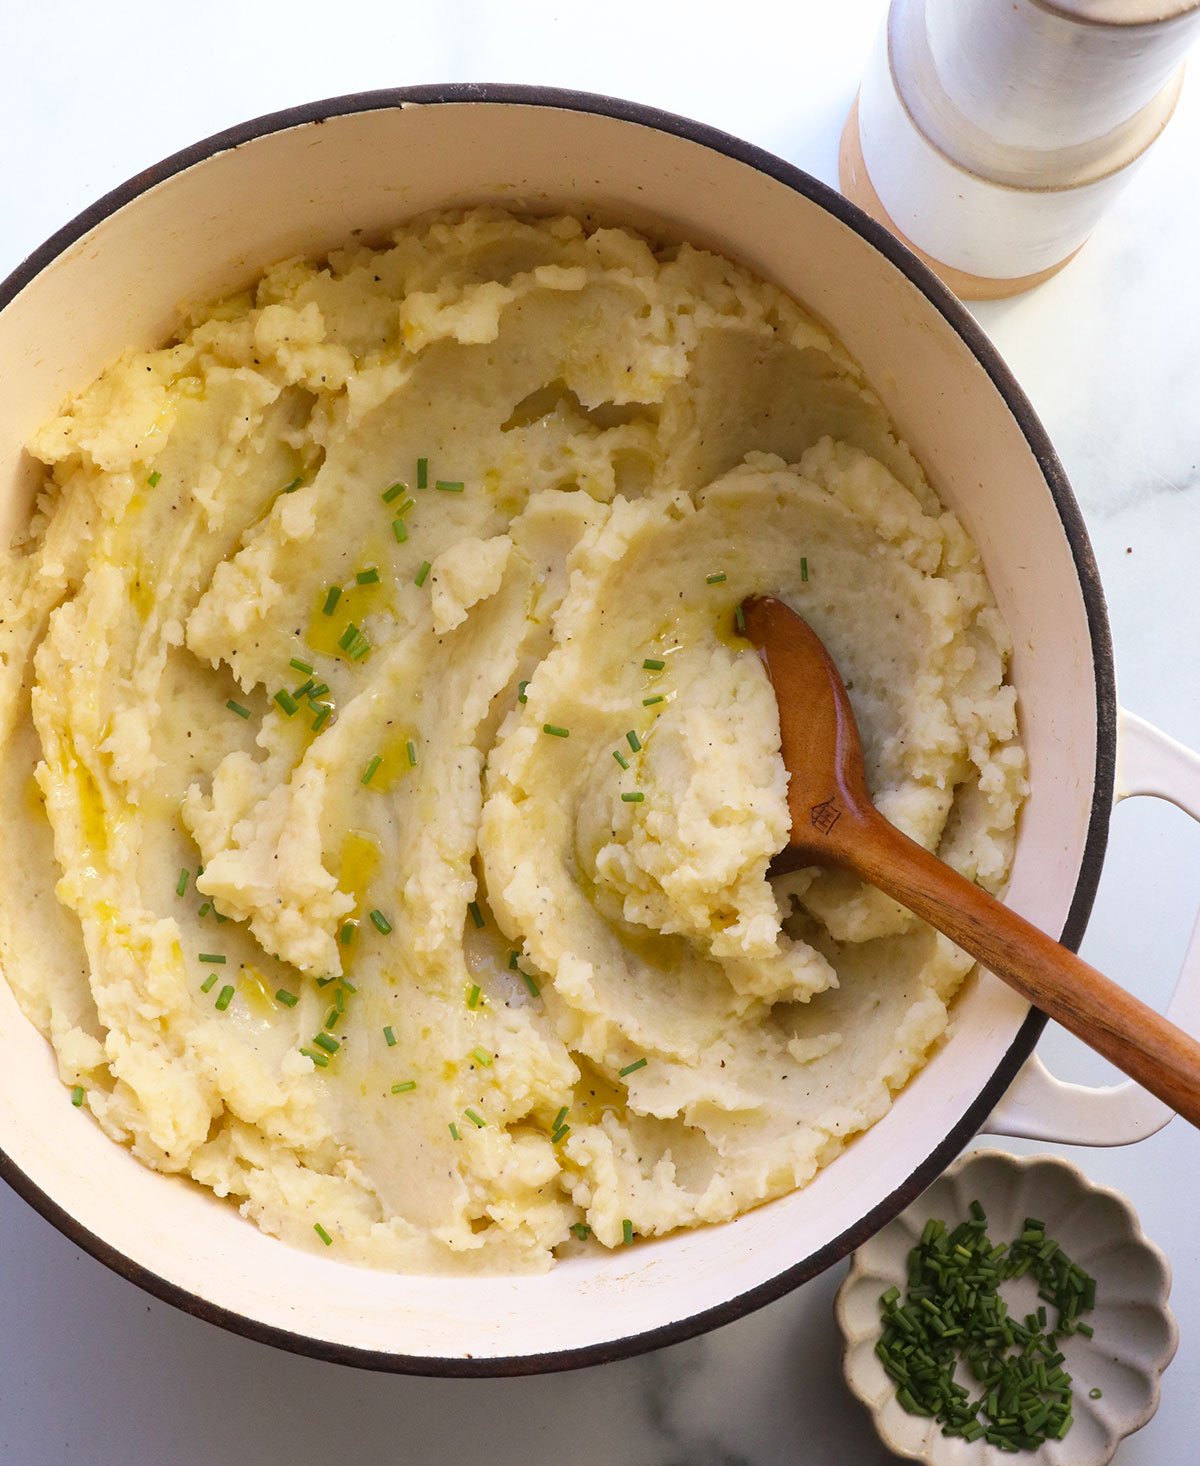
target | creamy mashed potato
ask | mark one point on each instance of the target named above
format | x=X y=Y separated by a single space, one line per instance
x=390 y=796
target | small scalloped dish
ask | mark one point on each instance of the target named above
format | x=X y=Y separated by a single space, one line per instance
x=1134 y=1338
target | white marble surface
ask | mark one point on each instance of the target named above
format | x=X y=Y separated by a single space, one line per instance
x=96 y=1372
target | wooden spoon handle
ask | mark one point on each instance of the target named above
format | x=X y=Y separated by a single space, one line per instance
x=1144 y=1044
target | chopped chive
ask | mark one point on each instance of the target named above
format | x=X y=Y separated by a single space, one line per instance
x=327 y=1042
x=394 y=492
x=716 y=578
x=804 y=567
x=654 y=664
x=181 y=883
x=649 y=702
x=422 y=473
x=400 y=530
x=293 y=486
x=739 y=617
x=348 y=985
x=627 y=1231
x=332 y=596
x=560 y=1134
x=473 y=995
x=634 y=1067
x=236 y=707
x=155 y=479
x=323 y=1234
x=634 y=796
x=380 y=922
x=348 y=637
x=476 y=1119
x=287 y=702
x=534 y=990
x=555 y=731
x=319 y=1059
x=410 y=749
x=371 y=770
x=323 y=982
x=581 y=1230
x=560 y=1117
x=521 y=697
x=1095 y=1393
x=634 y=741
x=360 y=648
x=204 y=910
x=332 y=1018
x=454 y=1135
x=450 y=486
x=216 y=957
x=620 y=758
x=404 y=1086
x=300 y=666
x=322 y=718
x=476 y=914
x=953 y=1308
x=209 y=983
x=481 y=1056
x=513 y=958
x=369 y=576
x=419 y=578
x=224 y=998
x=77 y=1095
x=389 y=1034
x=346 y=935
x=304 y=689
x=289 y=1000
x=319 y=690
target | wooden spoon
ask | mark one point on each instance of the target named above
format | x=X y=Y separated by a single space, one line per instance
x=835 y=823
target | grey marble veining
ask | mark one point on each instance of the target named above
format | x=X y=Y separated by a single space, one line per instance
x=97 y=1373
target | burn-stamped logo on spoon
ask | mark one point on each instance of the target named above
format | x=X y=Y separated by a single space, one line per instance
x=825 y=815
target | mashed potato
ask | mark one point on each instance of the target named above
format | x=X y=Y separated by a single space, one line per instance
x=390 y=795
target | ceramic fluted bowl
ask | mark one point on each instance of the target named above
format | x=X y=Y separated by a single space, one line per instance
x=1134 y=1333
x=204 y=224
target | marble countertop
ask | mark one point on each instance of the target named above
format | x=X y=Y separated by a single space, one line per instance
x=97 y=1372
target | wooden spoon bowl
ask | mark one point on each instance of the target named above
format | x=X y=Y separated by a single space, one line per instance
x=834 y=822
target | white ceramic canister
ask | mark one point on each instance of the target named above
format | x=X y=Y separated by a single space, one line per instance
x=990 y=135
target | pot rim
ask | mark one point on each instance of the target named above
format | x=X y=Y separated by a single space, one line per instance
x=961 y=321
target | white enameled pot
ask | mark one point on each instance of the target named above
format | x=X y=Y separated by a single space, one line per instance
x=207 y=222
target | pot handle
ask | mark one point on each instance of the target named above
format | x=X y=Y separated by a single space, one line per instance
x=1038 y=1106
